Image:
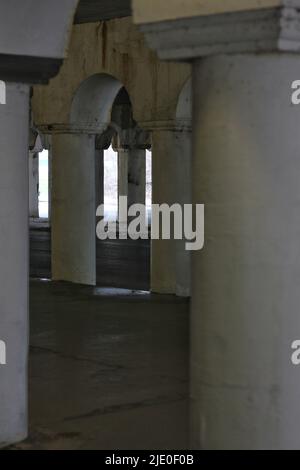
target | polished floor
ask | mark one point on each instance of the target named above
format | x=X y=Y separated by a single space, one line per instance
x=108 y=369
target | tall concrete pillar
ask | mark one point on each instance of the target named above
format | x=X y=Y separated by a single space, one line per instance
x=14 y=132
x=73 y=208
x=182 y=157
x=246 y=296
x=163 y=252
x=245 y=390
x=171 y=184
x=33 y=163
x=246 y=167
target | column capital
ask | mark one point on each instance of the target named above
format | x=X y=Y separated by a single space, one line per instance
x=104 y=139
x=272 y=29
x=135 y=138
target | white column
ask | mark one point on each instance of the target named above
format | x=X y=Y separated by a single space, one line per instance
x=163 y=258
x=182 y=158
x=246 y=296
x=14 y=132
x=73 y=208
x=171 y=184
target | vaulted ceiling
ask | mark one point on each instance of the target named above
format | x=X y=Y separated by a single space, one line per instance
x=96 y=10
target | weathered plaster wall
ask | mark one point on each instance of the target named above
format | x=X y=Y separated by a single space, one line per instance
x=117 y=48
x=156 y=10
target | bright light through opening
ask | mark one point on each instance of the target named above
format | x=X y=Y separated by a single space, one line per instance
x=111 y=184
x=148 y=182
x=44 y=184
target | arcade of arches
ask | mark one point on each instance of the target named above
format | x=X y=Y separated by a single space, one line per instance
x=112 y=92
x=138 y=344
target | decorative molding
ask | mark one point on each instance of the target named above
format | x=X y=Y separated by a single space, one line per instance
x=71 y=129
x=178 y=125
x=104 y=140
x=138 y=134
x=134 y=138
x=266 y=30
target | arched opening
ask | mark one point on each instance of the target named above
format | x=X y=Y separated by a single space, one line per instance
x=122 y=263
x=39 y=179
x=93 y=101
x=39 y=205
x=102 y=106
x=43 y=176
x=110 y=183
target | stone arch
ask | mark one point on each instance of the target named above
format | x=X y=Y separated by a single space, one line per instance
x=102 y=108
x=93 y=101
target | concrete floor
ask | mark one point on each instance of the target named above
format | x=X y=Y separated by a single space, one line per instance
x=119 y=263
x=108 y=369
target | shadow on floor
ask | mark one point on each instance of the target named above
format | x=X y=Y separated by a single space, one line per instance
x=108 y=370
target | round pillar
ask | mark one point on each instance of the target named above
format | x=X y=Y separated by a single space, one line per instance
x=73 y=208
x=183 y=188
x=163 y=260
x=245 y=295
x=14 y=221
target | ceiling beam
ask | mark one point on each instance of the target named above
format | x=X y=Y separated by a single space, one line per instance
x=90 y=11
